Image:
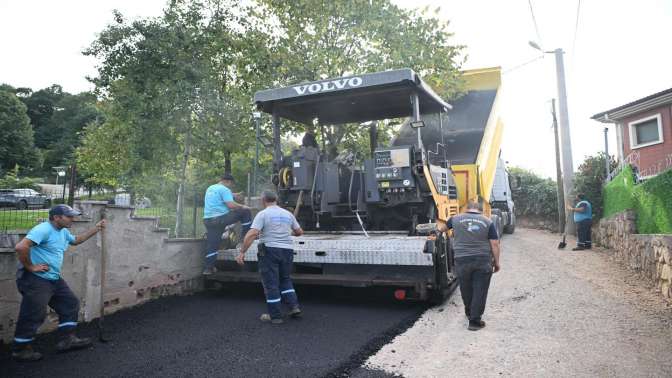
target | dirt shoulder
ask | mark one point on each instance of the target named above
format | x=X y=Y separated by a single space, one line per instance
x=549 y=313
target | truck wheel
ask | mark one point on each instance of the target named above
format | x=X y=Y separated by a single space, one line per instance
x=22 y=205
x=496 y=218
x=509 y=228
x=442 y=264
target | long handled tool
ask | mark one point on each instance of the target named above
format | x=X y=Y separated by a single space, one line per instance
x=563 y=243
x=103 y=254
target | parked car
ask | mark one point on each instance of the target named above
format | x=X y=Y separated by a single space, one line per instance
x=24 y=198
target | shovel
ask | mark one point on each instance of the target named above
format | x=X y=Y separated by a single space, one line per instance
x=563 y=243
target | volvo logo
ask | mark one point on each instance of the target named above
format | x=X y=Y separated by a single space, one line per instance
x=328 y=85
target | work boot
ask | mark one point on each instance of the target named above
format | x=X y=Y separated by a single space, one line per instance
x=296 y=313
x=72 y=342
x=209 y=271
x=25 y=353
x=476 y=325
x=578 y=248
x=267 y=318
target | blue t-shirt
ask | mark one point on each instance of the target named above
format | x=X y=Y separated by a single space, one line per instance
x=216 y=198
x=587 y=212
x=49 y=248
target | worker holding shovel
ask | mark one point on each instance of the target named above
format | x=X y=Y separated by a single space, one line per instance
x=583 y=217
x=40 y=283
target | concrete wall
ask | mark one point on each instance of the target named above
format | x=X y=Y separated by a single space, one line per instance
x=141 y=264
x=648 y=255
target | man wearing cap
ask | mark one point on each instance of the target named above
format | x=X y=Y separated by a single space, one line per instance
x=274 y=226
x=476 y=250
x=221 y=210
x=39 y=282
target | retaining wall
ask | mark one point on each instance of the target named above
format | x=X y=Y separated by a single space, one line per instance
x=650 y=255
x=142 y=263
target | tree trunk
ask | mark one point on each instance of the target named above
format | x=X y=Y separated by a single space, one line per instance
x=227 y=162
x=180 y=189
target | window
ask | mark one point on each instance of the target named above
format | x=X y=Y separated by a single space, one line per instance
x=646 y=131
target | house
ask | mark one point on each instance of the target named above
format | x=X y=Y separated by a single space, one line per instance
x=643 y=132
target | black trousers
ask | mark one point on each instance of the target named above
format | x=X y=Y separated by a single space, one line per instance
x=37 y=293
x=583 y=233
x=473 y=275
x=215 y=228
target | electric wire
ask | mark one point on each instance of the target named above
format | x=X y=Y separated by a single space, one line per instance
x=576 y=26
x=534 y=20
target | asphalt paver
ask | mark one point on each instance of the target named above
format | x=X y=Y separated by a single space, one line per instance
x=218 y=334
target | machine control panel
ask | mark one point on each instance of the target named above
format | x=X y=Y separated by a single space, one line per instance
x=393 y=169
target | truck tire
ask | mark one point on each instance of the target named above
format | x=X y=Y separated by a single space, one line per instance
x=496 y=218
x=509 y=228
x=444 y=284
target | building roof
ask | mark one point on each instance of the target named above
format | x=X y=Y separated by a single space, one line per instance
x=637 y=106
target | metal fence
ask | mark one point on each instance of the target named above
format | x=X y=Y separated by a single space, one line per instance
x=22 y=209
x=633 y=160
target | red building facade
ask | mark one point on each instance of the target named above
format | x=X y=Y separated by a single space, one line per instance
x=643 y=132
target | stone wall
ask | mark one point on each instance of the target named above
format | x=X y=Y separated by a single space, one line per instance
x=648 y=255
x=141 y=264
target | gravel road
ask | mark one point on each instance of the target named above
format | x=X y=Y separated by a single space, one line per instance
x=549 y=313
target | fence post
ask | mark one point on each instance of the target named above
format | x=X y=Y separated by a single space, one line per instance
x=193 y=235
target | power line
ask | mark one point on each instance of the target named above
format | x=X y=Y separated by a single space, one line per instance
x=576 y=26
x=534 y=20
x=522 y=64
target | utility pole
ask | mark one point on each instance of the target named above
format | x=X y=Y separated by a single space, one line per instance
x=606 y=151
x=558 y=172
x=565 y=138
x=255 y=167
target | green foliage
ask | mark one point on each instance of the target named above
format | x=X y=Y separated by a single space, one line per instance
x=317 y=39
x=589 y=179
x=618 y=193
x=536 y=196
x=654 y=205
x=650 y=200
x=16 y=135
x=11 y=180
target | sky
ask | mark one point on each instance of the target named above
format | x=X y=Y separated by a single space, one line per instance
x=617 y=54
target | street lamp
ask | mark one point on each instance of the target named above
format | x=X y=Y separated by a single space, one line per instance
x=565 y=138
x=257 y=120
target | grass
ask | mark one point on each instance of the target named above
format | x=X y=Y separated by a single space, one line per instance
x=12 y=219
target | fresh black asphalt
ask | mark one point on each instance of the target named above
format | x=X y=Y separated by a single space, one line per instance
x=218 y=334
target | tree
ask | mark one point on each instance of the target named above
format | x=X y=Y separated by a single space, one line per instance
x=316 y=39
x=16 y=136
x=174 y=81
x=590 y=180
x=537 y=196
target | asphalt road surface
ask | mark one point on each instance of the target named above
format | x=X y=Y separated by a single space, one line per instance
x=219 y=335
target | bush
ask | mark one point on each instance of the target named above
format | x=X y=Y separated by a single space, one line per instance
x=590 y=178
x=650 y=200
x=12 y=181
x=537 y=196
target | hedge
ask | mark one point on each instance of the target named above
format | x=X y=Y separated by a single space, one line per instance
x=651 y=200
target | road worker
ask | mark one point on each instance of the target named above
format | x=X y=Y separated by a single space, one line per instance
x=274 y=226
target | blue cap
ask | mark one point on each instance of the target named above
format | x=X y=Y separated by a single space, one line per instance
x=64 y=210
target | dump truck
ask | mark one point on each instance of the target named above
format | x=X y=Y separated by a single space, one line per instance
x=367 y=218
